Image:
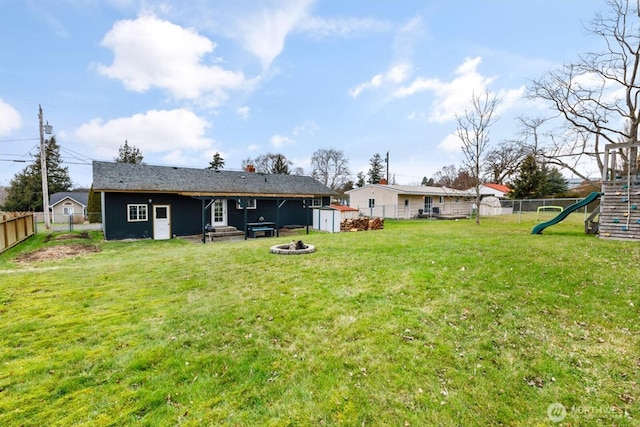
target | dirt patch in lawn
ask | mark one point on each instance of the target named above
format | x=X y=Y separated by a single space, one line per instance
x=57 y=252
x=56 y=237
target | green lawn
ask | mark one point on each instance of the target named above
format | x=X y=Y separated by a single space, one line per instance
x=422 y=323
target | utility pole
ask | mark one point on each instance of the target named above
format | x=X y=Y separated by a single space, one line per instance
x=386 y=160
x=43 y=170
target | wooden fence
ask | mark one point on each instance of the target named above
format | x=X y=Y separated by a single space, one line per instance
x=14 y=228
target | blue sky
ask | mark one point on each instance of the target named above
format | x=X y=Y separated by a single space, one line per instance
x=183 y=80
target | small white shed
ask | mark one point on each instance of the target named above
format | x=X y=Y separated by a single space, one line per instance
x=326 y=219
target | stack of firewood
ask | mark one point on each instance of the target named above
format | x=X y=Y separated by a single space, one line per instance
x=361 y=224
x=376 y=224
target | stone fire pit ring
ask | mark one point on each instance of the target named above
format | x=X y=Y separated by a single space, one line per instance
x=286 y=249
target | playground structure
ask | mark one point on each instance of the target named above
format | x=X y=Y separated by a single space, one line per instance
x=618 y=216
x=619 y=208
x=565 y=213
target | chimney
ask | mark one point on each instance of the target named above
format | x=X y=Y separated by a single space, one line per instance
x=383 y=181
x=249 y=168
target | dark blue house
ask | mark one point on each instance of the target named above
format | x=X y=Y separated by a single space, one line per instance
x=145 y=201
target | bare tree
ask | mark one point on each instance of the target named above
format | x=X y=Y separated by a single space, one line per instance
x=330 y=167
x=445 y=176
x=473 y=131
x=452 y=177
x=598 y=96
x=502 y=162
x=271 y=163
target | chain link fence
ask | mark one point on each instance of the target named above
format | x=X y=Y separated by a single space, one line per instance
x=537 y=205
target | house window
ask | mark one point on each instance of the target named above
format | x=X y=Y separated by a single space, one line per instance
x=251 y=204
x=441 y=200
x=136 y=213
x=316 y=203
x=67 y=208
x=372 y=203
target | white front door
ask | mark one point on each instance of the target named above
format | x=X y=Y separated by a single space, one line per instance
x=219 y=213
x=161 y=222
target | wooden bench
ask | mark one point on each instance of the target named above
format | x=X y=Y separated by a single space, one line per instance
x=268 y=231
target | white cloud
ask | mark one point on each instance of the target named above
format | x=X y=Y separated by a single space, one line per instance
x=450 y=144
x=150 y=52
x=341 y=27
x=243 y=112
x=511 y=98
x=395 y=75
x=262 y=27
x=175 y=157
x=262 y=31
x=450 y=97
x=307 y=127
x=155 y=131
x=281 y=140
x=253 y=147
x=405 y=40
x=9 y=118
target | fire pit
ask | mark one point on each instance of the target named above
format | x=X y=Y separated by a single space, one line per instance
x=293 y=248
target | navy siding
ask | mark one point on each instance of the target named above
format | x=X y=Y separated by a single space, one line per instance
x=293 y=212
x=186 y=214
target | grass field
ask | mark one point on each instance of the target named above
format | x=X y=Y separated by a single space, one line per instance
x=422 y=323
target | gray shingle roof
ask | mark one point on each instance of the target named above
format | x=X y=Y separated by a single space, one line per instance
x=81 y=197
x=418 y=190
x=108 y=176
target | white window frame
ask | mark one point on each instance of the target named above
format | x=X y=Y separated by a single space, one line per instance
x=441 y=200
x=253 y=204
x=316 y=203
x=372 y=203
x=140 y=212
x=67 y=208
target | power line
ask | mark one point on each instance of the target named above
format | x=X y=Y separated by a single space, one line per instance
x=76 y=155
x=17 y=140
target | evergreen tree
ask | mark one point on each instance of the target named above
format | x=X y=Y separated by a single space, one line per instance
x=25 y=190
x=216 y=163
x=554 y=183
x=361 y=179
x=94 y=206
x=529 y=180
x=427 y=182
x=129 y=154
x=281 y=165
x=375 y=169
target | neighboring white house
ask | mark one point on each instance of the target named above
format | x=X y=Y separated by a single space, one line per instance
x=65 y=204
x=497 y=190
x=408 y=201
